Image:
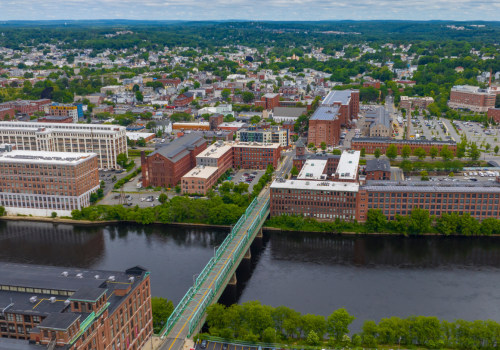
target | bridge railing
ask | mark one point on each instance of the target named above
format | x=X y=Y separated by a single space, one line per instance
x=200 y=309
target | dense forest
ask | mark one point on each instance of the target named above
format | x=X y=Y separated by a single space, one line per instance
x=156 y=34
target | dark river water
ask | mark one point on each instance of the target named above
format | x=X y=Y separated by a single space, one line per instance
x=372 y=277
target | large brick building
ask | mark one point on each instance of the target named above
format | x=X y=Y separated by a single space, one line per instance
x=253 y=155
x=166 y=165
x=472 y=98
x=338 y=108
x=269 y=101
x=378 y=169
x=46 y=307
x=28 y=107
x=108 y=141
x=314 y=193
x=494 y=113
x=39 y=183
x=370 y=144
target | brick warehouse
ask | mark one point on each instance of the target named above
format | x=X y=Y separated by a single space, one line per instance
x=256 y=156
x=166 y=165
x=74 y=309
x=472 y=98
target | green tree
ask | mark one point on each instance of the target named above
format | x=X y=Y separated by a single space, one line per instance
x=473 y=151
x=496 y=149
x=337 y=152
x=363 y=152
x=269 y=335
x=419 y=221
x=162 y=198
x=255 y=119
x=338 y=324
x=53 y=215
x=446 y=153
x=433 y=152
x=369 y=334
x=312 y=338
x=377 y=153
x=420 y=153
x=122 y=160
x=138 y=96
x=141 y=142
x=392 y=152
x=2 y=211
x=136 y=88
x=405 y=152
x=161 y=309
x=314 y=323
x=247 y=96
x=323 y=145
x=375 y=220
x=294 y=171
x=225 y=93
x=424 y=175
x=241 y=188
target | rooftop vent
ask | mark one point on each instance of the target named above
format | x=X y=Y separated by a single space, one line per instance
x=65 y=274
x=67 y=302
x=79 y=275
x=33 y=299
x=111 y=278
x=52 y=300
x=131 y=279
x=97 y=277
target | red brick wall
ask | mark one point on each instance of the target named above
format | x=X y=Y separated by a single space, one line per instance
x=494 y=113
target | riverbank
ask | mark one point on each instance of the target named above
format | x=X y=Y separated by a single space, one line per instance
x=268 y=229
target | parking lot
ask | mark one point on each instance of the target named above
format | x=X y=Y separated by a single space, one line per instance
x=477 y=133
x=431 y=128
x=250 y=177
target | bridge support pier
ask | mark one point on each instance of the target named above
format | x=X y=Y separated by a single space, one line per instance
x=248 y=254
x=259 y=234
x=233 y=281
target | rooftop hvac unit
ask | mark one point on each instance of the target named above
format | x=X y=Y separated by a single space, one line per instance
x=97 y=277
x=33 y=299
x=79 y=275
x=131 y=279
x=111 y=278
x=65 y=274
x=67 y=302
x=52 y=300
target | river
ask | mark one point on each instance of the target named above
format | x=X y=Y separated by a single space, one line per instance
x=372 y=277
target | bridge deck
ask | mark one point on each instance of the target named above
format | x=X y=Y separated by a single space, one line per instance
x=190 y=311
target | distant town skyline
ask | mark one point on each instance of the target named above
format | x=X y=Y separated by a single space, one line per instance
x=276 y=10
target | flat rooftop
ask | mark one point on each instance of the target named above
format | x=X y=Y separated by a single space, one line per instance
x=257 y=145
x=42 y=157
x=332 y=186
x=62 y=126
x=348 y=165
x=134 y=136
x=201 y=172
x=312 y=169
x=216 y=150
x=337 y=96
x=326 y=113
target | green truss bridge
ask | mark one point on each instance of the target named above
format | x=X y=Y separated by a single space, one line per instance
x=189 y=315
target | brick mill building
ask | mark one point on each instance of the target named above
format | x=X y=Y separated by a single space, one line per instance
x=108 y=141
x=65 y=308
x=252 y=155
x=409 y=103
x=370 y=144
x=165 y=166
x=318 y=194
x=472 y=98
x=338 y=108
x=39 y=183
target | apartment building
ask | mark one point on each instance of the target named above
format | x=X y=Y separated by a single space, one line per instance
x=324 y=126
x=108 y=141
x=39 y=183
x=347 y=101
x=66 y=308
x=370 y=144
x=254 y=155
x=275 y=134
x=199 y=180
x=166 y=166
x=472 y=98
x=64 y=111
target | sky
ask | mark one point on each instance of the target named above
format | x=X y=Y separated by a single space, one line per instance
x=288 y=10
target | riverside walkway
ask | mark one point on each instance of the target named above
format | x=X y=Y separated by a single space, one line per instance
x=189 y=315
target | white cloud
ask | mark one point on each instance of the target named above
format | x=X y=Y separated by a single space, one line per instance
x=256 y=9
